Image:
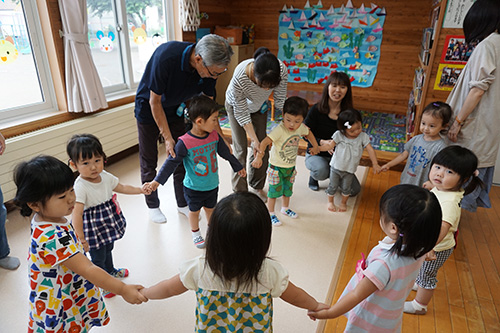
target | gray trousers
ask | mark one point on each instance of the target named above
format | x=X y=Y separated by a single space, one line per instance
x=347 y=182
x=256 y=178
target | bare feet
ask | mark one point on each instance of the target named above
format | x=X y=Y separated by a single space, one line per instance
x=342 y=207
x=332 y=207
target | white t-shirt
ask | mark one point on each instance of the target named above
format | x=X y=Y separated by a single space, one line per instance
x=348 y=152
x=93 y=194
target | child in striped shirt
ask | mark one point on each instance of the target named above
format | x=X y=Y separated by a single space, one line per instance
x=373 y=300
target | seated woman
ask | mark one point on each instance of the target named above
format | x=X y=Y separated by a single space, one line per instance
x=322 y=121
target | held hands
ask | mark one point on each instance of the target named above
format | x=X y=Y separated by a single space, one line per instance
x=151 y=186
x=384 y=168
x=314 y=150
x=131 y=294
x=321 y=312
x=146 y=189
x=243 y=173
x=430 y=256
x=376 y=168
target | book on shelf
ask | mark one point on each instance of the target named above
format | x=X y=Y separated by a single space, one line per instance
x=427 y=38
x=424 y=56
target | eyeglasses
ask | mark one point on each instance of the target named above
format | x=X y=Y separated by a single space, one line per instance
x=213 y=74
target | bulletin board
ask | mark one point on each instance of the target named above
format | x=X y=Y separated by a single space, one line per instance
x=313 y=42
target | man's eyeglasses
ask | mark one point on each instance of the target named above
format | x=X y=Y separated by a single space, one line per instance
x=213 y=74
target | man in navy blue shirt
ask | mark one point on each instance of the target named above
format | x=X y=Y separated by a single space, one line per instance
x=176 y=72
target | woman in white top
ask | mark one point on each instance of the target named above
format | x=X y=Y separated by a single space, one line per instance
x=246 y=104
x=475 y=99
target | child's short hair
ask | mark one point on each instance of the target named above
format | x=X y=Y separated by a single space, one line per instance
x=463 y=162
x=238 y=239
x=201 y=106
x=296 y=106
x=39 y=179
x=439 y=110
x=348 y=117
x=417 y=214
x=84 y=146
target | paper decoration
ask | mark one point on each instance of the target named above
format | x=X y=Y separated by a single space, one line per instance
x=315 y=42
x=139 y=34
x=447 y=76
x=105 y=42
x=455 y=13
x=8 y=51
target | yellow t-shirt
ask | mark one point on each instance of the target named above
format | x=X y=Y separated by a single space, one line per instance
x=450 y=207
x=285 y=145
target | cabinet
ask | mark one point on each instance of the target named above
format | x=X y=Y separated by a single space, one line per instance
x=241 y=52
x=422 y=78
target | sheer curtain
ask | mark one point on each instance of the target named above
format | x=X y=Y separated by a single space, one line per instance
x=190 y=15
x=83 y=87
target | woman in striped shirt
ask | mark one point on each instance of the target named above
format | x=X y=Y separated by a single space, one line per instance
x=246 y=104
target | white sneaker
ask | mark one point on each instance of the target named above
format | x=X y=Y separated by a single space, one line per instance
x=260 y=193
x=157 y=216
x=185 y=211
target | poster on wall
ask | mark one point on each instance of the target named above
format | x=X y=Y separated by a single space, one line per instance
x=455 y=13
x=447 y=76
x=456 y=50
x=313 y=42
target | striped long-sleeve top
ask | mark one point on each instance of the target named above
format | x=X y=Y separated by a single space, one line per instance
x=246 y=97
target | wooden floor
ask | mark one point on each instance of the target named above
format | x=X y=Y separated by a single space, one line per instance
x=467 y=298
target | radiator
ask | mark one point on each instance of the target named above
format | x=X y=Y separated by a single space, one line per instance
x=116 y=129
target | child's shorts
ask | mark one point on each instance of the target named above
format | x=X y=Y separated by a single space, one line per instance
x=427 y=275
x=198 y=199
x=342 y=180
x=280 y=181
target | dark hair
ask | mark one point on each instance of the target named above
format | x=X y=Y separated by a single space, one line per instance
x=84 y=146
x=462 y=161
x=439 y=110
x=296 y=106
x=39 y=179
x=238 y=239
x=339 y=78
x=482 y=19
x=266 y=68
x=417 y=214
x=350 y=116
x=201 y=106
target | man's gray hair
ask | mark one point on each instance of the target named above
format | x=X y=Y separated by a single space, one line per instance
x=214 y=50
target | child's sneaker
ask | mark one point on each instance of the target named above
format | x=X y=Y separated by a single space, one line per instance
x=415 y=307
x=275 y=221
x=120 y=273
x=199 y=242
x=107 y=294
x=290 y=213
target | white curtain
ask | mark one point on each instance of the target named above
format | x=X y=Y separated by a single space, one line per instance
x=190 y=15
x=83 y=87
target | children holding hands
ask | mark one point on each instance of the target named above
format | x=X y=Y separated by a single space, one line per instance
x=349 y=142
x=64 y=296
x=97 y=217
x=285 y=140
x=421 y=149
x=198 y=149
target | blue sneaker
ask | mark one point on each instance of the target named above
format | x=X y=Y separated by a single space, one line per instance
x=290 y=213
x=199 y=242
x=275 y=221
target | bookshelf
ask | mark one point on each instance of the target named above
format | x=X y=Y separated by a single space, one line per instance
x=421 y=79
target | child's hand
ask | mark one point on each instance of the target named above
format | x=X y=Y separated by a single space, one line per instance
x=376 y=168
x=131 y=293
x=86 y=246
x=430 y=256
x=384 y=168
x=257 y=162
x=321 y=312
x=152 y=185
x=428 y=185
x=146 y=189
x=243 y=173
x=314 y=150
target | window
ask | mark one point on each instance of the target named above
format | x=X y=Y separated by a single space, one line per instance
x=123 y=35
x=25 y=82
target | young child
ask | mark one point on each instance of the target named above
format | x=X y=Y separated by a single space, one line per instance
x=64 y=296
x=285 y=139
x=450 y=169
x=373 y=300
x=97 y=217
x=198 y=149
x=235 y=281
x=422 y=148
x=349 y=142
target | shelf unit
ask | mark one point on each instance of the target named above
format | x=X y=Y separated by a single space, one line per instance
x=421 y=80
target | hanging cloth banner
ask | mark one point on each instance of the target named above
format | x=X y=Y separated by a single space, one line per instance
x=314 y=42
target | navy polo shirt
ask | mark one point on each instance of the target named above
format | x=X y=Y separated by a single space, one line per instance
x=169 y=74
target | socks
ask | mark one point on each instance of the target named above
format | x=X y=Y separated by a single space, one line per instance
x=415 y=307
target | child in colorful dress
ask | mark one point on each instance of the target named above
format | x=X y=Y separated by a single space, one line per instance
x=373 y=300
x=349 y=142
x=64 y=296
x=285 y=139
x=235 y=282
x=422 y=148
x=97 y=217
x=451 y=168
x=198 y=149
